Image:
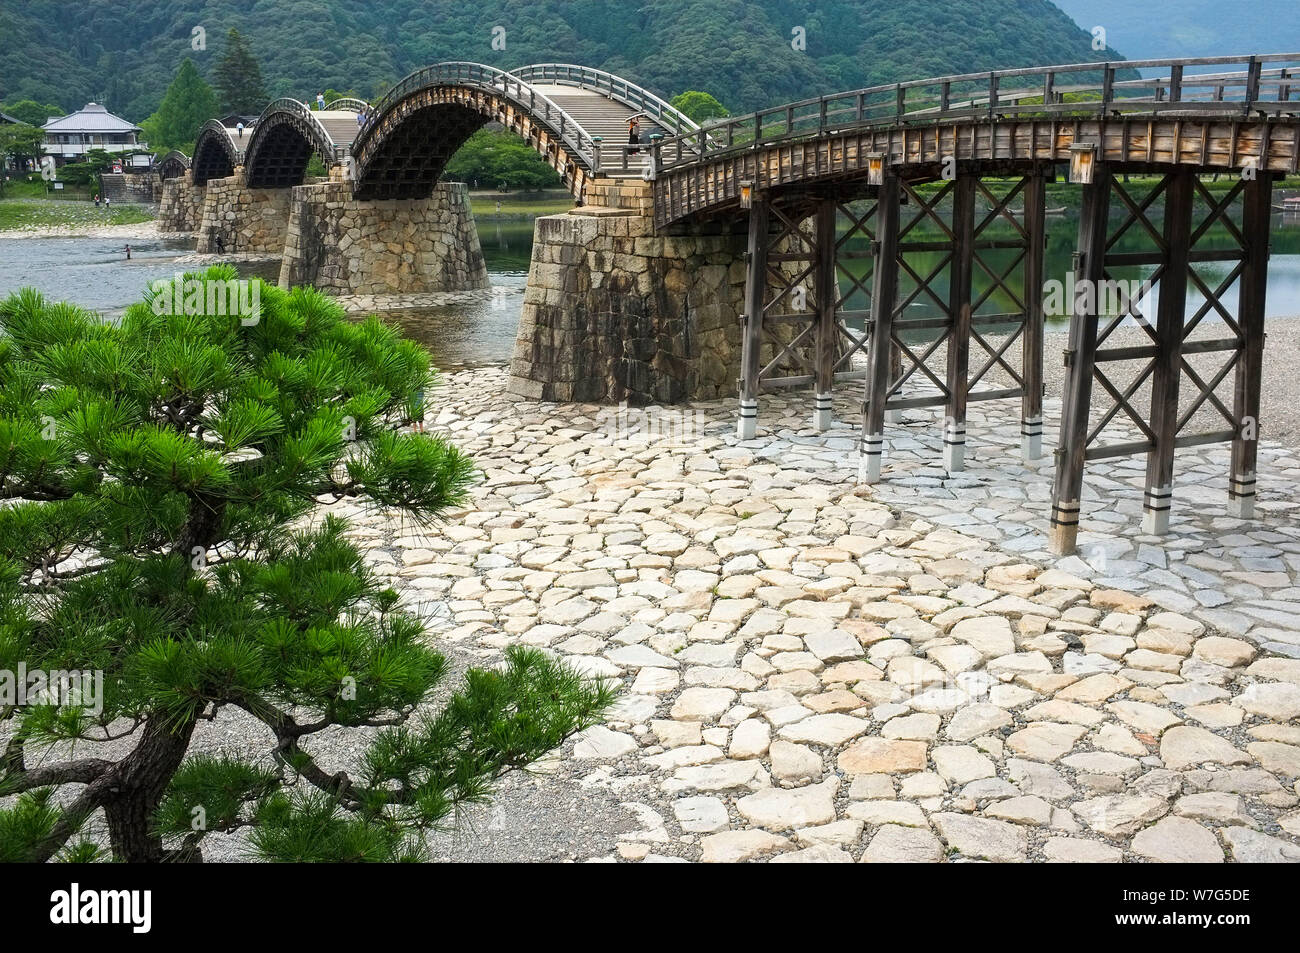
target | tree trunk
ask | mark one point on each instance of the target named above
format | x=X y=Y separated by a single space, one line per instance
x=136 y=788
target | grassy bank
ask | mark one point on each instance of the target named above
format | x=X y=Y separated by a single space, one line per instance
x=46 y=213
x=518 y=206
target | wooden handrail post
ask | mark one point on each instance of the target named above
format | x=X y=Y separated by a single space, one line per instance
x=1252 y=82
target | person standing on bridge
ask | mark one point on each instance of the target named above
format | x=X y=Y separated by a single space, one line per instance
x=239 y=128
x=634 y=134
x=320 y=101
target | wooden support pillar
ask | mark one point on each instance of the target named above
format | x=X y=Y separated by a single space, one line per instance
x=1031 y=402
x=961 y=266
x=895 y=372
x=826 y=294
x=1072 y=445
x=883 y=294
x=751 y=343
x=1256 y=210
x=1180 y=193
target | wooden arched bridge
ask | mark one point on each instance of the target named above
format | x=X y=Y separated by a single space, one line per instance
x=896 y=234
x=574 y=116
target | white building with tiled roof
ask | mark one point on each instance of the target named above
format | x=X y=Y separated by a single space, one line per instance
x=69 y=138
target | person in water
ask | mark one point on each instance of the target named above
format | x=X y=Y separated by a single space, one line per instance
x=128 y=252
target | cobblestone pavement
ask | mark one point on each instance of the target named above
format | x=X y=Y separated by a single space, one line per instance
x=813 y=670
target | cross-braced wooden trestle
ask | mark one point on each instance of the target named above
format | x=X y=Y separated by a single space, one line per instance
x=1196 y=233
x=970 y=267
x=795 y=330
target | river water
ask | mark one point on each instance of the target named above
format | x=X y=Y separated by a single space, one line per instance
x=93 y=273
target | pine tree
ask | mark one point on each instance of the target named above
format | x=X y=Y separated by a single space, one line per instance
x=238 y=78
x=188 y=103
x=161 y=485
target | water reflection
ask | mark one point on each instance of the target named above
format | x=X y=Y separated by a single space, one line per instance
x=94 y=273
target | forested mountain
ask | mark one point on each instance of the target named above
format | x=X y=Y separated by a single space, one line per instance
x=124 y=54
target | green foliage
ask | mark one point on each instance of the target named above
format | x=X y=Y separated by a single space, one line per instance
x=187 y=105
x=53 y=50
x=20 y=144
x=87 y=171
x=31 y=112
x=494 y=158
x=161 y=479
x=700 y=106
x=238 y=78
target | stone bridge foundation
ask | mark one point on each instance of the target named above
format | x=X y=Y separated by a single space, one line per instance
x=404 y=246
x=180 y=209
x=246 y=220
x=614 y=312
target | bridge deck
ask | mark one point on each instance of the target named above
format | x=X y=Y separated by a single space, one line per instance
x=340 y=124
x=604 y=117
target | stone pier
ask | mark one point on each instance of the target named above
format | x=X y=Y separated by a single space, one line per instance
x=343 y=246
x=181 y=207
x=615 y=312
x=247 y=220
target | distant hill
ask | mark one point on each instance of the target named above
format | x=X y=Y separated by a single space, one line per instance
x=124 y=54
x=1169 y=29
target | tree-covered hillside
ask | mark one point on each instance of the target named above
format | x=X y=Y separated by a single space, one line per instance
x=124 y=55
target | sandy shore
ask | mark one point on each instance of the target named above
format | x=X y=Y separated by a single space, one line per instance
x=136 y=230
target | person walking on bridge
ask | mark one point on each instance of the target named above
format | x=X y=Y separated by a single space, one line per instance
x=239 y=128
x=634 y=134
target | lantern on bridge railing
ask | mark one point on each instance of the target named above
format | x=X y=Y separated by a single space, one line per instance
x=746 y=194
x=875 y=168
x=1083 y=162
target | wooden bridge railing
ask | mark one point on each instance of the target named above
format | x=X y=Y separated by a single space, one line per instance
x=215 y=128
x=488 y=79
x=311 y=126
x=347 y=104
x=673 y=120
x=1266 y=84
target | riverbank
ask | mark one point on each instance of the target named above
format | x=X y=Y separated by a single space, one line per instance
x=49 y=218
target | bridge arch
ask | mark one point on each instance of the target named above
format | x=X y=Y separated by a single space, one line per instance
x=422 y=121
x=286 y=136
x=215 y=153
x=173 y=165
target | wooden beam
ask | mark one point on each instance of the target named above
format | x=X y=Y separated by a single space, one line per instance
x=1031 y=401
x=884 y=291
x=755 y=290
x=961 y=266
x=827 y=294
x=1180 y=193
x=1068 y=485
x=1256 y=212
